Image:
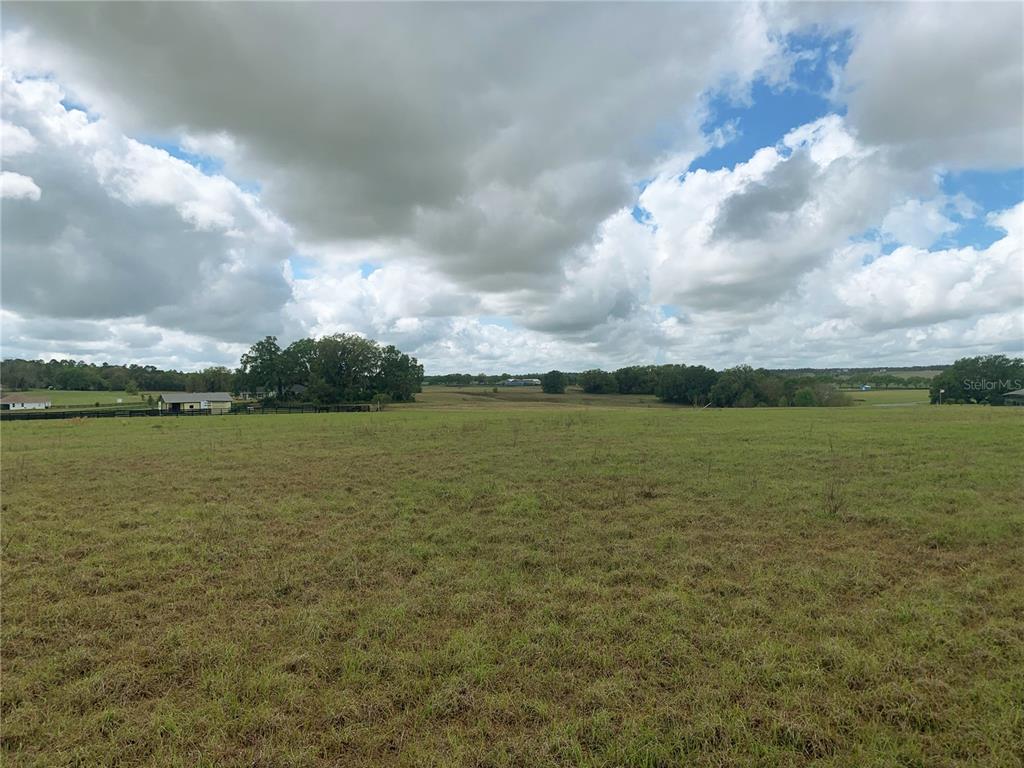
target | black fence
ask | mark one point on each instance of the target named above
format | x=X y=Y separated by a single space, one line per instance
x=34 y=414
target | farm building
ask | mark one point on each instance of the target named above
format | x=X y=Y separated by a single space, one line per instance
x=176 y=402
x=23 y=402
x=521 y=383
x=1014 y=398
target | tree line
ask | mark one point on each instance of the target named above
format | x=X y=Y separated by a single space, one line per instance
x=333 y=369
x=983 y=379
x=739 y=387
x=349 y=368
x=77 y=375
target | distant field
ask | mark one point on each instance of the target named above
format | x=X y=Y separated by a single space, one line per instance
x=890 y=397
x=491 y=397
x=930 y=373
x=516 y=584
x=83 y=398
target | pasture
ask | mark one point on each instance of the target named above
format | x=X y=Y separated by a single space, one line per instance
x=471 y=581
x=84 y=398
x=889 y=397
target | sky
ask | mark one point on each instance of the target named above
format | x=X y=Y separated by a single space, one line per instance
x=514 y=187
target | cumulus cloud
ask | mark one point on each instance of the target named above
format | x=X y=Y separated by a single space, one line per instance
x=914 y=286
x=16 y=186
x=940 y=83
x=496 y=137
x=740 y=238
x=918 y=223
x=15 y=140
x=124 y=229
x=503 y=186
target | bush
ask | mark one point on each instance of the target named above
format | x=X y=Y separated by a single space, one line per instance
x=552 y=382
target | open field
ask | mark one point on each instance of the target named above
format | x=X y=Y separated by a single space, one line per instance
x=485 y=397
x=451 y=584
x=82 y=397
x=890 y=397
x=490 y=397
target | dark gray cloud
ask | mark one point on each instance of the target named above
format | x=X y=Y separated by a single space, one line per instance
x=939 y=83
x=767 y=203
x=496 y=136
x=123 y=230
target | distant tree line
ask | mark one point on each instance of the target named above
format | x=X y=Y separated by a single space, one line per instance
x=915 y=377
x=71 y=374
x=982 y=379
x=901 y=377
x=334 y=369
x=739 y=387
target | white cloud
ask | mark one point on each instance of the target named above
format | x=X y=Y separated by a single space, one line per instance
x=487 y=172
x=914 y=286
x=15 y=140
x=123 y=229
x=940 y=83
x=917 y=223
x=741 y=238
x=15 y=186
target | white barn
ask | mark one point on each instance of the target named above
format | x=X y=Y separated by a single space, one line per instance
x=18 y=402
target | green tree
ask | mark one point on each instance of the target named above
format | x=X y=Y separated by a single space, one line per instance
x=553 y=382
x=804 y=398
x=689 y=385
x=344 y=368
x=400 y=376
x=262 y=366
x=297 y=363
x=735 y=387
x=982 y=379
x=597 y=382
x=637 y=379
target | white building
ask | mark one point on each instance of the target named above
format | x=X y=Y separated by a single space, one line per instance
x=18 y=402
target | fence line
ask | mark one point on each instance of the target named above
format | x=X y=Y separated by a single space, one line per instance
x=31 y=415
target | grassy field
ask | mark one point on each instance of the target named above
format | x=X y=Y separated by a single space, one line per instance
x=69 y=397
x=516 y=584
x=476 y=397
x=890 y=397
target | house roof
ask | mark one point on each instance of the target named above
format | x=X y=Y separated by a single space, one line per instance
x=8 y=399
x=195 y=397
x=1015 y=393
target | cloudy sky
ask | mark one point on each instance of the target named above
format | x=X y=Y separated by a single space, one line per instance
x=515 y=187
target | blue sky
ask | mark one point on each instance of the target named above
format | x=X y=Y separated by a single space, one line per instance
x=761 y=117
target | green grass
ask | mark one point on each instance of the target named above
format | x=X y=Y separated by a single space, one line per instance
x=490 y=397
x=74 y=397
x=890 y=397
x=522 y=584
